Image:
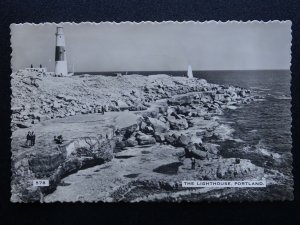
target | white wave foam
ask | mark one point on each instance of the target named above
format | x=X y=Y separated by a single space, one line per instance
x=261 y=150
x=283 y=97
x=260 y=88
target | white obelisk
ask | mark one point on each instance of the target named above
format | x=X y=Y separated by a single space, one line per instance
x=61 y=68
x=190 y=72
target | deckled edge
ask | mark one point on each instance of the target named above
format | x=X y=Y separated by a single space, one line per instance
x=159 y=22
x=291 y=107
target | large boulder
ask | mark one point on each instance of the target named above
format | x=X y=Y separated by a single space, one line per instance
x=196 y=151
x=219 y=97
x=29 y=194
x=23 y=124
x=183 y=140
x=122 y=104
x=163 y=109
x=226 y=168
x=158 y=125
x=242 y=93
x=237 y=168
x=145 y=139
x=131 y=142
x=177 y=124
x=66 y=98
x=119 y=144
x=16 y=109
x=44 y=163
x=159 y=137
x=35 y=115
x=91 y=146
x=206 y=99
x=126 y=132
x=211 y=148
x=56 y=105
x=170 y=111
x=178 y=117
x=137 y=107
x=196 y=139
x=181 y=100
x=148 y=130
x=170 y=139
x=184 y=110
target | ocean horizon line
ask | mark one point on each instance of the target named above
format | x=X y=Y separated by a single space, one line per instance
x=160 y=71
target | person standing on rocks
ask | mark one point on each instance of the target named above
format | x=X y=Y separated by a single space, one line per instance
x=193 y=161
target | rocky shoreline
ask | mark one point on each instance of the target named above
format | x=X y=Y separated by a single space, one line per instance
x=176 y=118
x=59 y=97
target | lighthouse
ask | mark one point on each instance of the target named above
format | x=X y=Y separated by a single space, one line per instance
x=61 y=68
x=190 y=72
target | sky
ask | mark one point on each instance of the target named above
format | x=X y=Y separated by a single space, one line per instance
x=156 y=46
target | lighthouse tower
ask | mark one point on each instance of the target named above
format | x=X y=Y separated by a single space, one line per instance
x=190 y=72
x=61 y=68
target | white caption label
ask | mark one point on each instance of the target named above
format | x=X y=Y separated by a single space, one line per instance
x=40 y=183
x=224 y=183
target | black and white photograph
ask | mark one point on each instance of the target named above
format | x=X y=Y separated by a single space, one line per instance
x=151 y=112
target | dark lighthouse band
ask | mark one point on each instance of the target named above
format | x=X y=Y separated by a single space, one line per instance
x=60 y=53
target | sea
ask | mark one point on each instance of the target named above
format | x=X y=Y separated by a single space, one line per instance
x=262 y=129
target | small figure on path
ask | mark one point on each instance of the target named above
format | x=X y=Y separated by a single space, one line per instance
x=103 y=109
x=32 y=139
x=193 y=163
x=28 y=138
